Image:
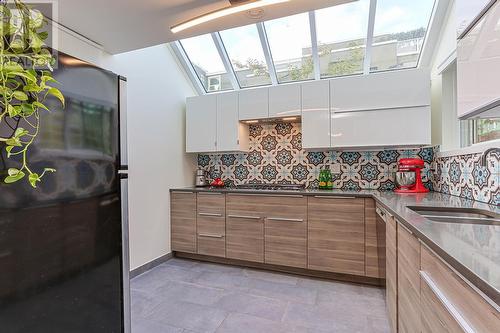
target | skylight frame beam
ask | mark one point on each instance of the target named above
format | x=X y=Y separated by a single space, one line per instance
x=267 y=53
x=314 y=45
x=369 y=37
x=188 y=66
x=221 y=49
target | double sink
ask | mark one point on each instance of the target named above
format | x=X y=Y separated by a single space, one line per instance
x=458 y=215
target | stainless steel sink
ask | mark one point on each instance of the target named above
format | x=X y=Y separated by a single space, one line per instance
x=458 y=215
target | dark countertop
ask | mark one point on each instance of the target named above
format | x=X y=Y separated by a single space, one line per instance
x=473 y=250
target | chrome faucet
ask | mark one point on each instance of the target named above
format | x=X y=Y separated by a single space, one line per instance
x=485 y=154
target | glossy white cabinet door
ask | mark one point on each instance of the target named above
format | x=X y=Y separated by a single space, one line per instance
x=231 y=134
x=404 y=88
x=201 y=124
x=284 y=101
x=316 y=114
x=382 y=128
x=254 y=103
x=478 y=66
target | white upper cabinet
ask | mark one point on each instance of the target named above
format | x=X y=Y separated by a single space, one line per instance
x=284 y=101
x=382 y=128
x=201 y=124
x=231 y=134
x=254 y=104
x=398 y=89
x=478 y=66
x=316 y=114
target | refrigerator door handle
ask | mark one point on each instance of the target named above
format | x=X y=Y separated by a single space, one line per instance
x=126 y=257
x=123 y=123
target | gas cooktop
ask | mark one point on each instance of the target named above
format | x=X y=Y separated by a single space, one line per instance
x=271 y=187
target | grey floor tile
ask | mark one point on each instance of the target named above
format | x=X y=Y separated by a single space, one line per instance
x=143 y=303
x=217 y=268
x=140 y=325
x=189 y=292
x=228 y=281
x=198 y=318
x=259 y=306
x=323 y=318
x=161 y=276
x=182 y=263
x=282 y=291
x=243 y=323
x=378 y=325
x=271 y=276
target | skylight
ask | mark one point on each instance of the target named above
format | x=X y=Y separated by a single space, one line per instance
x=290 y=42
x=247 y=58
x=355 y=38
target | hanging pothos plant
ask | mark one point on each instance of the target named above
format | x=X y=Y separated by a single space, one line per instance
x=25 y=83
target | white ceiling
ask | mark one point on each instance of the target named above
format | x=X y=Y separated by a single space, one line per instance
x=126 y=25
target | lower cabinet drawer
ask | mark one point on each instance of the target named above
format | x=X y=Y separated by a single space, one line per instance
x=435 y=317
x=245 y=238
x=286 y=243
x=468 y=308
x=211 y=235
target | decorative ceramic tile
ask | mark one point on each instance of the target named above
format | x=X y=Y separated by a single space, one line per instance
x=276 y=156
x=464 y=176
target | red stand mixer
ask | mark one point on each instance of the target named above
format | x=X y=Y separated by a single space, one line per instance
x=409 y=177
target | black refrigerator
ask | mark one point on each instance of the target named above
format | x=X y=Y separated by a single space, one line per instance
x=64 y=263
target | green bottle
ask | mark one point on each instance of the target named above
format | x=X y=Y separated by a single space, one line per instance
x=328 y=178
x=322 y=179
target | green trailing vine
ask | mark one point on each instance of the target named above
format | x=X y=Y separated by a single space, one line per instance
x=25 y=83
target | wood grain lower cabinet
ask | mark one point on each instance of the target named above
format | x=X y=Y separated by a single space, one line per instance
x=408 y=281
x=374 y=241
x=391 y=271
x=183 y=221
x=463 y=306
x=336 y=228
x=285 y=230
x=244 y=228
x=211 y=224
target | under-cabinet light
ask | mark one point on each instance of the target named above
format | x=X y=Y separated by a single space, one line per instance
x=223 y=12
x=289 y=118
x=251 y=121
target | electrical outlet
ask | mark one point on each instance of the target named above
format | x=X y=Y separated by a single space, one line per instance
x=335 y=168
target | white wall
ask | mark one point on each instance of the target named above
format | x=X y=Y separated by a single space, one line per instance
x=156 y=93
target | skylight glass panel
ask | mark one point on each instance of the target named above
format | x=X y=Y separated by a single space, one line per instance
x=207 y=63
x=400 y=30
x=245 y=52
x=290 y=43
x=341 y=32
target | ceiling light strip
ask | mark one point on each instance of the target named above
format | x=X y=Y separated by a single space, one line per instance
x=219 y=45
x=223 y=12
x=314 y=45
x=267 y=53
x=369 y=38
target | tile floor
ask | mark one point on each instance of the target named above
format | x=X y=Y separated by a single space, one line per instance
x=185 y=296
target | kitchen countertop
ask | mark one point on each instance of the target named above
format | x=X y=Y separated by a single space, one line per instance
x=473 y=250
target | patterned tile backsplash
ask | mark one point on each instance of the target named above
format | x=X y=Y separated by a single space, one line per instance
x=464 y=176
x=276 y=156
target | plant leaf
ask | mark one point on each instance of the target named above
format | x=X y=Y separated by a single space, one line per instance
x=19 y=95
x=8 y=149
x=56 y=93
x=40 y=105
x=12 y=111
x=14 y=142
x=33 y=179
x=14 y=176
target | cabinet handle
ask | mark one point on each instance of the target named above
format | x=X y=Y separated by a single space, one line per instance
x=332 y=197
x=210 y=214
x=210 y=193
x=210 y=236
x=446 y=303
x=182 y=192
x=244 y=217
x=284 y=219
